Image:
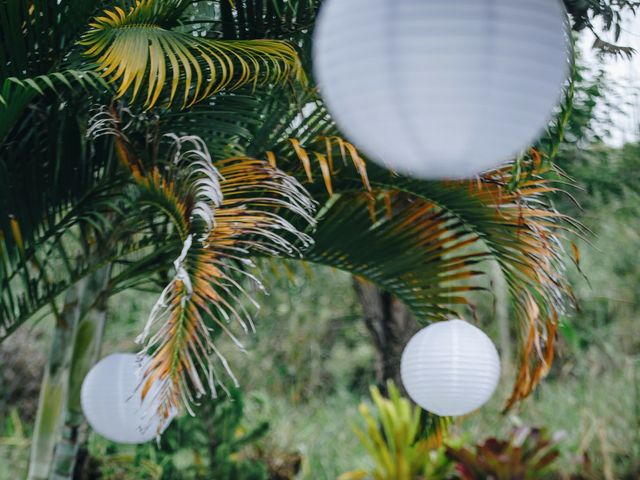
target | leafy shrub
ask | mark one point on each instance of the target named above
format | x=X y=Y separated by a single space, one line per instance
x=209 y=445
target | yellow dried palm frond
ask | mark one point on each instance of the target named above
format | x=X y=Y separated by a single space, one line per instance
x=221 y=213
x=235 y=209
x=324 y=151
x=162 y=65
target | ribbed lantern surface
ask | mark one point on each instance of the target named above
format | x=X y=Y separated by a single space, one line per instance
x=111 y=401
x=441 y=88
x=450 y=368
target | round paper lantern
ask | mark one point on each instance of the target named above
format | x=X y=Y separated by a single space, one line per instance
x=111 y=402
x=450 y=368
x=441 y=88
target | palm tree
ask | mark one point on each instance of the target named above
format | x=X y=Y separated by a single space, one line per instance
x=165 y=145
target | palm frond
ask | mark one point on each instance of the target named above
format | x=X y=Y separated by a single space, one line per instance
x=272 y=19
x=55 y=259
x=17 y=93
x=410 y=247
x=504 y=214
x=222 y=213
x=131 y=48
x=36 y=35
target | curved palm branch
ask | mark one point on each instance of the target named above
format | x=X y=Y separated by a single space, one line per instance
x=409 y=247
x=133 y=49
x=501 y=215
x=220 y=214
x=18 y=93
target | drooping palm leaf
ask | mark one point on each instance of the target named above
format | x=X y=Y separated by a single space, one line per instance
x=409 y=247
x=219 y=215
x=17 y=93
x=503 y=213
x=132 y=48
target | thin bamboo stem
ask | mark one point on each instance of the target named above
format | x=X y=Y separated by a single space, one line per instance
x=75 y=343
x=86 y=350
x=52 y=392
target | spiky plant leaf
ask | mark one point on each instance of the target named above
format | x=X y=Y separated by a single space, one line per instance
x=394 y=438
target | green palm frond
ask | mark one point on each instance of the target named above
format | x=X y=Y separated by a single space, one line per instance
x=54 y=260
x=17 y=93
x=411 y=248
x=276 y=19
x=227 y=121
x=131 y=48
x=54 y=81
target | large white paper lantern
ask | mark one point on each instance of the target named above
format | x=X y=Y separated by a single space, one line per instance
x=112 y=405
x=450 y=368
x=441 y=88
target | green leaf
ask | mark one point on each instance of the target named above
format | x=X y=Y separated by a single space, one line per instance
x=132 y=49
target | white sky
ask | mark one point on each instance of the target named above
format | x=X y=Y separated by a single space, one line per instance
x=625 y=75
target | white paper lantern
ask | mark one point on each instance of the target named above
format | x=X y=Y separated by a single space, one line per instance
x=450 y=368
x=441 y=88
x=111 y=401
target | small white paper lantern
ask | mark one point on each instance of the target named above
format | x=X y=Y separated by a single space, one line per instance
x=111 y=402
x=441 y=88
x=450 y=368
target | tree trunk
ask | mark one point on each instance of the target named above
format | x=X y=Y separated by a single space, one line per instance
x=391 y=325
x=75 y=343
x=86 y=350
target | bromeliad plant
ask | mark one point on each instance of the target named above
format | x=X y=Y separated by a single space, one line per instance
x=161 y=145
x=404 y=442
